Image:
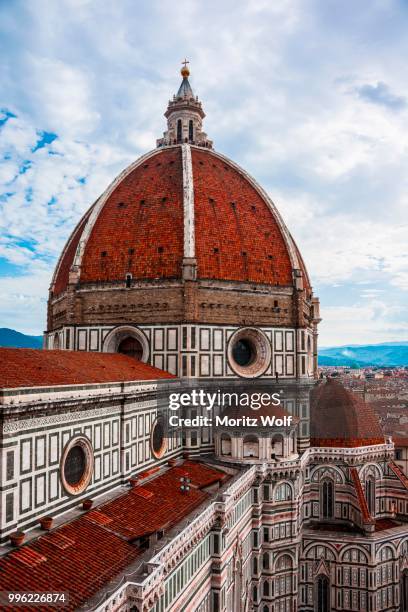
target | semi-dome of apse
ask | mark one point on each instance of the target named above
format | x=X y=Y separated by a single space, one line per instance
x=340 y=418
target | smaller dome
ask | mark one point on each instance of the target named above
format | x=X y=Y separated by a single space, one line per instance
x=340 y=418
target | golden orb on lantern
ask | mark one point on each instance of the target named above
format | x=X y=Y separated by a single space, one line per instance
x=185 y=72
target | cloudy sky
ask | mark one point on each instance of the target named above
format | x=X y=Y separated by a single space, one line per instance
x=310 y=96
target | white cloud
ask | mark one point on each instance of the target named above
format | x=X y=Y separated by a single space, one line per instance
x=57 y=197
x=281 y=84
x=65 y=94
x=360 y=324
x=23 y=302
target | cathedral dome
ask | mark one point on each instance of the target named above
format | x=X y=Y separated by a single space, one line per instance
x=184 y=236
x=340 y=418
x=179 y=202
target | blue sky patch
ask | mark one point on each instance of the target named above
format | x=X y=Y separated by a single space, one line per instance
x=29 y=194
x=26 y=165
x=7 y=115
x=382 y=95
x=5 y=196
x=45 y=138
x=9 y=269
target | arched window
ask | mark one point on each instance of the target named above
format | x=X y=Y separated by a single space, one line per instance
x=128 y=281
x=179 y=131
x=327 y=498
x=277 y=445
x=322 y=595
x=265 y=561
x=370 y=494
x=265 y=609
x=404 y=590
x=266 y=589
x=283 y=492
x=251 y=446
x=225 y=445
x=132 y=347
x=293 y=442
x=190 y=131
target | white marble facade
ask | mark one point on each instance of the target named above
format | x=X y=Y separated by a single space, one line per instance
x=40 y=423
x=256 y=547
x=196 y=350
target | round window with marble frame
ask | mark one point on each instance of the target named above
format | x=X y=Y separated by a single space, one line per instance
x=249 y=352
x=158 y=439
x=77 y=465
x=120 y=333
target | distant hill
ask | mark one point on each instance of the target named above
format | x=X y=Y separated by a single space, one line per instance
x=340 y=361
x=13 y=338
x=386 y=354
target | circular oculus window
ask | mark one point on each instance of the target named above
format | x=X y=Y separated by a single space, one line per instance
x=128 y=340
x=158 y=440
x=76 y=466
x=249 y=352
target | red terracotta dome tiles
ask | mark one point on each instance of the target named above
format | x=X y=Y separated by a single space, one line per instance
x=306 y=279
x=237 y=237
x=62 y=276
x=339 y=418
x=140 y=228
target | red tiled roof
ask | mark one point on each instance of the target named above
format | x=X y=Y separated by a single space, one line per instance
x=399 y=473
x=81 y=557
x=400 y=441
x=385 y=523
x=36 y=368
x=66 y=259
x=144 y=213
x=149 y=472
x=157 y=503
x=140 y=228
x=306 y=279
x=339 y=418
x=201 y=476
x=231 y=216
x=81 y=569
